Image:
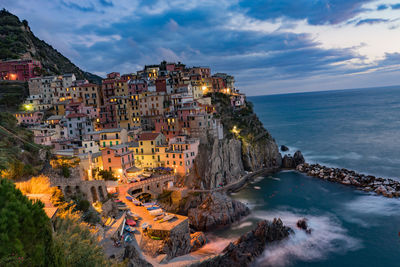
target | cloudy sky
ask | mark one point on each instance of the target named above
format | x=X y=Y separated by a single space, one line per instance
x=270 y=46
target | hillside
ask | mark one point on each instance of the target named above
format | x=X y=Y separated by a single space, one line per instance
x=17 y=41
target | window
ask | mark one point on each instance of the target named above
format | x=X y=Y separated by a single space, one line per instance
x=108 y=152
x=116 y=143
x=109 y=160
x=110 y=143
x=104 y=144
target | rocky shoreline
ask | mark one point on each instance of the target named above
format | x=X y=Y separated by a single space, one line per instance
x=381 y=186
x=249 y=246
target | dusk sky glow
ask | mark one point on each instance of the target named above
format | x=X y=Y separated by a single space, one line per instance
x=269 y=46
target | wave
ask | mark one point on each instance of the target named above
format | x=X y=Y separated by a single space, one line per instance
x=327 y=237
x=257 y=179
x=372 y=204
x=242 y=225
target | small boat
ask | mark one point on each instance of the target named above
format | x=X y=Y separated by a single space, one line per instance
x=129 y=229
x=153 y=208
x=108 y=221
x=159 y=217
x=123 y=208
x=149 y=204
x=137 y=202
x=129 y=198
x=168 y=218
x=156 y=212
x=117 y=200
x=155 y=237
x=130 y=222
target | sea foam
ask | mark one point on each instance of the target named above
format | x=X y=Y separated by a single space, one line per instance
x=327 y=237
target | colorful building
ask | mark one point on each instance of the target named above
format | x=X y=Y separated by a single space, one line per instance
x=19 y=70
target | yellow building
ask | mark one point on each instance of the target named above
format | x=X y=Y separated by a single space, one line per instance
x=112 y=137
x=147 y=152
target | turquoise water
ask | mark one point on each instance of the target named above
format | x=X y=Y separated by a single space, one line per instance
x=355 y=129
x=350 y=228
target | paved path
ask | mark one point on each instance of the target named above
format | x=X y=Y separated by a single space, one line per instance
x=238 y=183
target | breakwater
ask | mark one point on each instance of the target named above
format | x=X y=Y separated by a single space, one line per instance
x=381 y=186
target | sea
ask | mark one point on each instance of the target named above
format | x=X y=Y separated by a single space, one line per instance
x=356 y=129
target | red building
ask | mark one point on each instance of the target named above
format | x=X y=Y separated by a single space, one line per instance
x=161 y=85
x=19 y=70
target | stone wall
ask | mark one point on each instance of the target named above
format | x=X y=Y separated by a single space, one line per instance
x=93 y=191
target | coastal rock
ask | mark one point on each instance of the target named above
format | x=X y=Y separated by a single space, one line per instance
x=197 y=240
x=298 y=158
x=134 y=258
x=302 y=224
x=386 y=187
x=249 y=246
x=291 y=162
x=216 y=210
x=284 y=148
x=221 y=162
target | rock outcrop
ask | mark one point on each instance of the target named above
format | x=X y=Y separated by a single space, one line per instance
x=134 y=258
x=249 y=246
x=284 y=148
x=172 y=243
x=386 y=187
x=290 y=162
x=197 y=240
x=216 y=210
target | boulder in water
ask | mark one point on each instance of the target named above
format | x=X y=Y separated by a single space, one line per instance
x=284 y=148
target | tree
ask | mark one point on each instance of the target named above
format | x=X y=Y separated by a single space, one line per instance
x=107 y=175
x=25 y=230
x=77 y=241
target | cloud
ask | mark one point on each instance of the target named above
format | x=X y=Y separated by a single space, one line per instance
x=315 y=12
x=371 y=21
x=268 y=45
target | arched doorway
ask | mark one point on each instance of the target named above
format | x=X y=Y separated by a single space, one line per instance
x=77 y=189
x=94 y=194
x=101 y=193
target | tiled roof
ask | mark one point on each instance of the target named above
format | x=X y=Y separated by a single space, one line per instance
x=148 y=136
x=76 y=115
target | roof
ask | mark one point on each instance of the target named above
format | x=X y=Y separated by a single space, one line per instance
x=76 y=115
x=54 y=117
x=113 y=130
x=148 y=136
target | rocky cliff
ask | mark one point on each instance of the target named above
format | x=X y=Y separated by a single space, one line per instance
x=246 y=146
x=217 y=209
x=249 y=246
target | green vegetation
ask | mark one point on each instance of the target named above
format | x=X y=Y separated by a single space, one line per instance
x=77 y=242
x=26 y=235
x=27 y=239
x=242 y=124
x=19 y=156
x=17 y=41
x=107 y=175
x=12 y=94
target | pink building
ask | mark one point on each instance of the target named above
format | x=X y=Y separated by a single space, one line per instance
x=20 y=70
x=29 y=118
x=118 y=159
x=181 y=153
x=137 y=86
